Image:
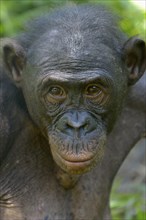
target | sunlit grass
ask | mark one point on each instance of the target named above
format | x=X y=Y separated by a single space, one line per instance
x=128 y=203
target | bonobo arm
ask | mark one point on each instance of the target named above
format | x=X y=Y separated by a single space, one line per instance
x=129 y=129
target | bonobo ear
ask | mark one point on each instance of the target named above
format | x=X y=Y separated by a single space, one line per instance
x=14 y=58
x=134 y=54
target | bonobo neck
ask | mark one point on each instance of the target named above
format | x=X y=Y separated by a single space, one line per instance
x=67 y=181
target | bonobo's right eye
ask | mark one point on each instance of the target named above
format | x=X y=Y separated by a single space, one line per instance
x=55 y=93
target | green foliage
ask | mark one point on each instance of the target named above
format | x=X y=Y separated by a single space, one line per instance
x=129 y=203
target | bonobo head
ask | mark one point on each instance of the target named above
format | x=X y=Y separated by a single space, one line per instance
x=74 y=67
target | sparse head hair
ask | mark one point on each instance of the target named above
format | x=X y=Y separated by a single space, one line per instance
x=76 y=24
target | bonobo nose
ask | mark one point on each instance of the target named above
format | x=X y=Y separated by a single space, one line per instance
x=75 y=123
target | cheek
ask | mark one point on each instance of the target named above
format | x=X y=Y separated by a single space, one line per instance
x=35 y=108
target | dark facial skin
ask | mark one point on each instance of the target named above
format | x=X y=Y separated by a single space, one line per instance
x=64 y=84
x=73 y=112
x=76 y=130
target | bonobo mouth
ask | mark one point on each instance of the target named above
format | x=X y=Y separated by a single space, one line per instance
x=77 y=156
x=75 y=165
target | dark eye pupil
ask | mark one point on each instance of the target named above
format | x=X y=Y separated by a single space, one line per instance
x=93 y=90
x=55 y=91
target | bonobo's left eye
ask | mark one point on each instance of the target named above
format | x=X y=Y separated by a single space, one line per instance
x=96 y=93
x=55 y=93
x=93 y=90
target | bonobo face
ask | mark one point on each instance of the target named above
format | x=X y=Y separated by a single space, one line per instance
x=74 y=113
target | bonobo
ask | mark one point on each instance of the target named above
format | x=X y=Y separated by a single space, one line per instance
x=64 y=83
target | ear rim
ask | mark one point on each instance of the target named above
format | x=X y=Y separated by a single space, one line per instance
x=139 y=66
x=14 y=58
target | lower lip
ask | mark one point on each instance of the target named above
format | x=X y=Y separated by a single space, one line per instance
x=77 y=165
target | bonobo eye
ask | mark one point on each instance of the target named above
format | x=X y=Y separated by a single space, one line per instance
x=96 y=93
x=93 y=90
x=55 y=92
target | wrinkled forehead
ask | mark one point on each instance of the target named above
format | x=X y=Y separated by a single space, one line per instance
x=76 y=77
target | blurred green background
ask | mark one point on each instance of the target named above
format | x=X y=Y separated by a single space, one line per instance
x=14 y=14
